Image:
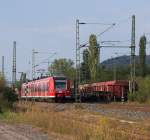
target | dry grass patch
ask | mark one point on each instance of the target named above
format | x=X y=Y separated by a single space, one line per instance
x=76 y=124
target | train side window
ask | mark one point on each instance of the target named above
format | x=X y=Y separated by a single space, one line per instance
x=42 y=87
x=38 y=90
x=39 y=87
x=35 y=88
x=47 y=87
x=32 y=88
x=29 y=89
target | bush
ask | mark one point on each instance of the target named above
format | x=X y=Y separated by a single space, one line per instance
x=131 y=97
x=9 y=95
x=143 y=93
x=7 y=98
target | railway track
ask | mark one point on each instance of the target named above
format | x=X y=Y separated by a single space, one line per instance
x=127 y=112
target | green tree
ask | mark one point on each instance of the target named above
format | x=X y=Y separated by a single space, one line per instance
x=85 y=72
x=142 y=55
x=93 y=57
x=63 y=67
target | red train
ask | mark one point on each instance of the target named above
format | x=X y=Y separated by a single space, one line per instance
x=59 y=87
x=108 y=90
x=45 y=88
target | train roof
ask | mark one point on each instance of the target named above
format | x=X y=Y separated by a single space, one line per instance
x=114 y=82
x=46 y=78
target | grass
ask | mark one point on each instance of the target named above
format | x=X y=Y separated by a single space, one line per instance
x=73 y=124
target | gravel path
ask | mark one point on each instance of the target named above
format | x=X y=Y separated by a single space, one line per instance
x=20 y=132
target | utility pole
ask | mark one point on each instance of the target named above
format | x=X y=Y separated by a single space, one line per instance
x=3 y=73
x=132 y=82
x=114 y=69
x=33 y=64
x=115 y=66
x=48 y=64
x=78 y=47
x=14 y=64
x=77 y=81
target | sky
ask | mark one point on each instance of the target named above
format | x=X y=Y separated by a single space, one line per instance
x=48 y=26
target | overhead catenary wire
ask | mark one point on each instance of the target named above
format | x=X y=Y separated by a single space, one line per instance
x=107 y=29
x=99 y=23
x=123 y=20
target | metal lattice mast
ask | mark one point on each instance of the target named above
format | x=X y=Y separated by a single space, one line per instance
x=132 y=84
x=77 y=94
x=33 y=64
x=3 y=73
x=14 y=64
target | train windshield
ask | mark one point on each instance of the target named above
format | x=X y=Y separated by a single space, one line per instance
x=60 y=84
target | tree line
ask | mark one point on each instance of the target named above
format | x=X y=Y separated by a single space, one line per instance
x=91 y=69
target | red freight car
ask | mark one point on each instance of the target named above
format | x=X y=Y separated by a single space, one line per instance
x=110 y=90
x=49 y=87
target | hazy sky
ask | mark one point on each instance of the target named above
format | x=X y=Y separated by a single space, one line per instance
x=49 y=26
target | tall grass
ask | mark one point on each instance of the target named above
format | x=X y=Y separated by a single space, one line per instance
x=74 y=125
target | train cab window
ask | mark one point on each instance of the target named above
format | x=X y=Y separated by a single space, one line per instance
x=60 y=84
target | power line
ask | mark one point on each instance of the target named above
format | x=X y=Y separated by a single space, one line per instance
x=123 y=20
x=99 y=23
x=114 y=46
x=107 y=29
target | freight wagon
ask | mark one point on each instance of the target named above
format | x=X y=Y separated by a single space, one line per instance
x=108 y=90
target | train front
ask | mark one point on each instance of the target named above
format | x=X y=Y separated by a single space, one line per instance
x=62 y=87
